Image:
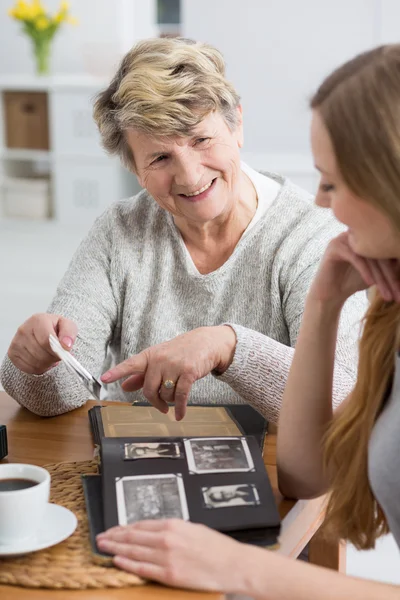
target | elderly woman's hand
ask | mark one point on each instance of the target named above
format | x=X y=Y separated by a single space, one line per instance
x=30 y=350
x=166 y=372
x=177 y=553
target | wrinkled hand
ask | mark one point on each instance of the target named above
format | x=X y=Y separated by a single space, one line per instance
x=183 y=360
x=30 y=350
x=177 y=553
x=342 y=273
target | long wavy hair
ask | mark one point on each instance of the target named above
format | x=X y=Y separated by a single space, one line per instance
x=360 y=107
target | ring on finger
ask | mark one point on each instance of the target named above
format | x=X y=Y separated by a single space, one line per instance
x=168 y=384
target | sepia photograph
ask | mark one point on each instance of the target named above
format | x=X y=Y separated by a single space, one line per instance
x=218 y=455
x=223 y=496
x=150 y=497
x=137 y=450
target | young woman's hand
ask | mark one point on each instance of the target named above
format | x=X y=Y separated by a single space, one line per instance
x=178 y=553
x=342 y=273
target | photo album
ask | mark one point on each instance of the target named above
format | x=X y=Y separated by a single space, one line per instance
x=207 y=468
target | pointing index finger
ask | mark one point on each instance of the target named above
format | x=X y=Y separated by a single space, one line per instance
x=134 y=364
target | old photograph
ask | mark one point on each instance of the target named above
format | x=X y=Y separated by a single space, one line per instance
x=137 y=450
x=218 y=455
x=223 y=496
x=150 y=497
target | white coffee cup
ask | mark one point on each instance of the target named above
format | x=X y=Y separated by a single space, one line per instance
x=22 y=510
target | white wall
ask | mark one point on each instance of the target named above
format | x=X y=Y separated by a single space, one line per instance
x=137 y=20
x=277 y=52
x=107 y=28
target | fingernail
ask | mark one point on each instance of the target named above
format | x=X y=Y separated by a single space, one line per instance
x=106 y=376
x=67 y=341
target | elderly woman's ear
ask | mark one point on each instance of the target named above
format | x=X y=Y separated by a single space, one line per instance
x=239 y=128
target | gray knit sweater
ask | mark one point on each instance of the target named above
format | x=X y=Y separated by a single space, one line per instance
x=132 y=284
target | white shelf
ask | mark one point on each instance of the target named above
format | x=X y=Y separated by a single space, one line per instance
x=84 y=181
x=53 y=82
x=24 y=154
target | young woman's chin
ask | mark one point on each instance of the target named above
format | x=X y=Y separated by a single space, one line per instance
x=368 y=249
x=354 y=243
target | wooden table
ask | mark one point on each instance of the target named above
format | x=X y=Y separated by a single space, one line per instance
x=38 y=441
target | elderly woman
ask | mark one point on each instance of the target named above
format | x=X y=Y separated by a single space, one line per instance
x=208 y=241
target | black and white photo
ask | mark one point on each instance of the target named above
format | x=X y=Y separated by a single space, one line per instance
x=218 y=455
x=137 y=450
x=223 y=496
x=150 y=497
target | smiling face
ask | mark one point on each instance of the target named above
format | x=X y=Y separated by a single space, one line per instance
x=371 y=233
x=196 y=178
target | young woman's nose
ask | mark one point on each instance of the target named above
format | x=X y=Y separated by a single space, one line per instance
x=323 y=200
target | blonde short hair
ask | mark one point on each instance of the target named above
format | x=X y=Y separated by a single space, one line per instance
x=163 y=87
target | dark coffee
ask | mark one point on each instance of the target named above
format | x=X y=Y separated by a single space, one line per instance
x=10 y=485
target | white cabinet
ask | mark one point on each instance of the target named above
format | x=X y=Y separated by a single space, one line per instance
x=72 y=126
x=84 y=189
x=83 y=179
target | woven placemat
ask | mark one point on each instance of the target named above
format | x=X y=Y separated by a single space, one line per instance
x=70 y=564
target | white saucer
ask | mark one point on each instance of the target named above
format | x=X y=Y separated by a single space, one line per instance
x=58 y=524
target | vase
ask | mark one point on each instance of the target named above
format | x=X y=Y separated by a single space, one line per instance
x=41 y=50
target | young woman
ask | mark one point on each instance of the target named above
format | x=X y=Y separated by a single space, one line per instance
x=356 y=146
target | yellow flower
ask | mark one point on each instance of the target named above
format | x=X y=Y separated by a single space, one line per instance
x=20 y=10
x=62 y=14
x=27 y=12
x=59 y=17
x=23 y=7
x=37 y=8
x=42 y=22
x=36 y=13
